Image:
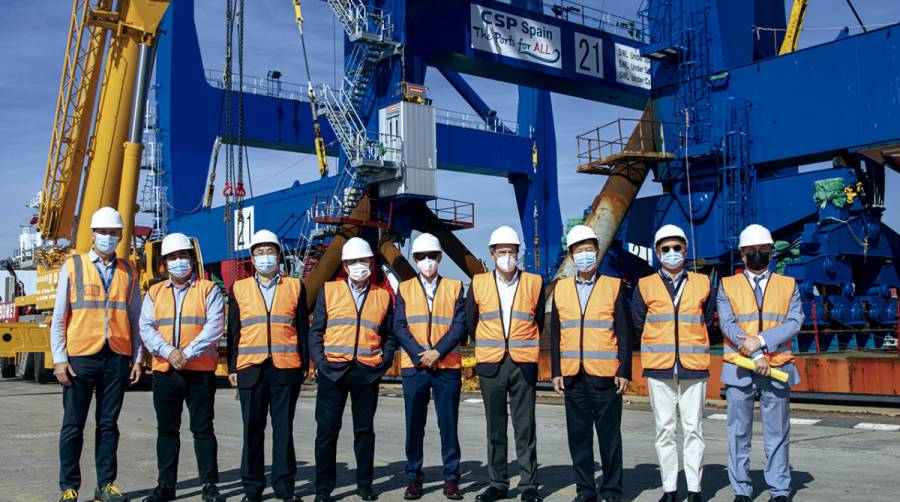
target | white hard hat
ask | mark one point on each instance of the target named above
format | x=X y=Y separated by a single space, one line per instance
x=356 y=248
x=668 y=232
x=504 y=235
x=579 y=233
x=425 y=243
x=176 y=242
x=106 y=217
x=755 y=235
x=264 y=237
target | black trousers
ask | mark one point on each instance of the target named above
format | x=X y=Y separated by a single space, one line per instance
x=331 y=397
x=593 y=403
x=106 y=374
x=510 y=381
x=269 y=396
x=170 y=391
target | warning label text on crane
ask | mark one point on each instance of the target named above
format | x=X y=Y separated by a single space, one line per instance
x=631 y=68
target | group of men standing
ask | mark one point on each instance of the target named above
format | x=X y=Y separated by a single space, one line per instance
x=355 y=331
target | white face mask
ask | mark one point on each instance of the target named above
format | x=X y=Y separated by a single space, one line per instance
x=427 y=267
x=106 y=243
x=266 y=263
x=585 y=261
x=359 y=271
x=179 y=267
x=507 y=263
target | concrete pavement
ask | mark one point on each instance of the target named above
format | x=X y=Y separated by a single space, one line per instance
x=831 y=460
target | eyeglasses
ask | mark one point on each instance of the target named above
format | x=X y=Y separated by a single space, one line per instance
x=677 y=248
x=505 y=252
x=431 y=255
x=265 y=252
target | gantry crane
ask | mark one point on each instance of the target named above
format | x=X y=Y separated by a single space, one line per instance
x=94 y=160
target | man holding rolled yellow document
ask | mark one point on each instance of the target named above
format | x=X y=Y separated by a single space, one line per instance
x=759 y=314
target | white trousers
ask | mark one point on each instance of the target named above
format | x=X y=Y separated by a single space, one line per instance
x=669 y=398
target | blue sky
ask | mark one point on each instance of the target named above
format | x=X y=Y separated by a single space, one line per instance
x=33 y=42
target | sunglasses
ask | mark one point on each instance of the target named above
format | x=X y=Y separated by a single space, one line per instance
x=677 y=248
x=431 y=255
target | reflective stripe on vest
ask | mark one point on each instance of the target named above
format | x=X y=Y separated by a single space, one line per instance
x=776 y=302
x=272 y=333
x=667 y=332
x=587 y=339
x=523 y=343
x=95 y=312
x=190 y=322
x=428 y=327
x=350 y=334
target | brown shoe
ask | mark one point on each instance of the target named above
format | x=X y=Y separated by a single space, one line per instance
x=413 y=491
x=451 y=490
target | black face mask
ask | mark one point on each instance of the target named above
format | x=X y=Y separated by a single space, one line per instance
x=758 y=260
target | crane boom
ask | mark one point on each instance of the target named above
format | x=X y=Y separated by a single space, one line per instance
x=792 y=33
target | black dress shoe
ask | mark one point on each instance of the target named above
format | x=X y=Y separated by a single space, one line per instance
x=291 y=497
x=531 y=495
x=780 y=498
x=366 y=493
x=610 y=498
x=491 y=494
x=669 y=497
x=211 y=494
x=694 y=497
x=323 y=497
x=161 y=494
x=251 y=498
x=742 y=498
x=586 y=497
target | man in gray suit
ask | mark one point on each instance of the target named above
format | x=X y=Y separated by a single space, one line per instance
x=760 y=314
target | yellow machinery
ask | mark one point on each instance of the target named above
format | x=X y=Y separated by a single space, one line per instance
x=100 y=108
x=795 y=24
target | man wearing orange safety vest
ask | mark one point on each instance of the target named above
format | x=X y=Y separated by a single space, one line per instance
x=430 y=322
x=182 y=319
x=352 y=346
x=759 y=314
x=672 y=310
x=590 y=349
x=268 y=328
x=96 y=348
x=505 y=313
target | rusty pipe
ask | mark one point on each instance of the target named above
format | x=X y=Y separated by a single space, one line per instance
x=395 y=259
x=615 y=198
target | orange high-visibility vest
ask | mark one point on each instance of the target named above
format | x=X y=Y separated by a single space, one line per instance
x=523 y=342
x=429 y=326
x=190 y=322
x=352 y=335
x=776 y=302
x=587 y=339
x=666 y=329
x=268 y=333
x=92 y=308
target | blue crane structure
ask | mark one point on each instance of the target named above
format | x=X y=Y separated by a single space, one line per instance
x=727 y=124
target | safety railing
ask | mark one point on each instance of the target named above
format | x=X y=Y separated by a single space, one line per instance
x=454 y=213
x=261 y=86
x=327 y=210
x=591 y=17
x=471 y=121
x=624 y=138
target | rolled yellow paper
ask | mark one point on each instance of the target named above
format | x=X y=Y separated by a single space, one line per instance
x=746 y=362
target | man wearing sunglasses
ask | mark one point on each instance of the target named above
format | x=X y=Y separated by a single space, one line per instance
x=429 y=322
x=505 y=312
x=760 y=314
x=672 y=310
x=590 y=353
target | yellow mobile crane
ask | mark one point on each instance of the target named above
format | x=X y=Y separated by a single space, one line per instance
x=106 y=74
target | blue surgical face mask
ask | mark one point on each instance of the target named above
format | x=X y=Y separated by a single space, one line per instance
x=585 y=260
x=106 y=243
x=265 y=263
x=672 y=259
x=179 y=267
